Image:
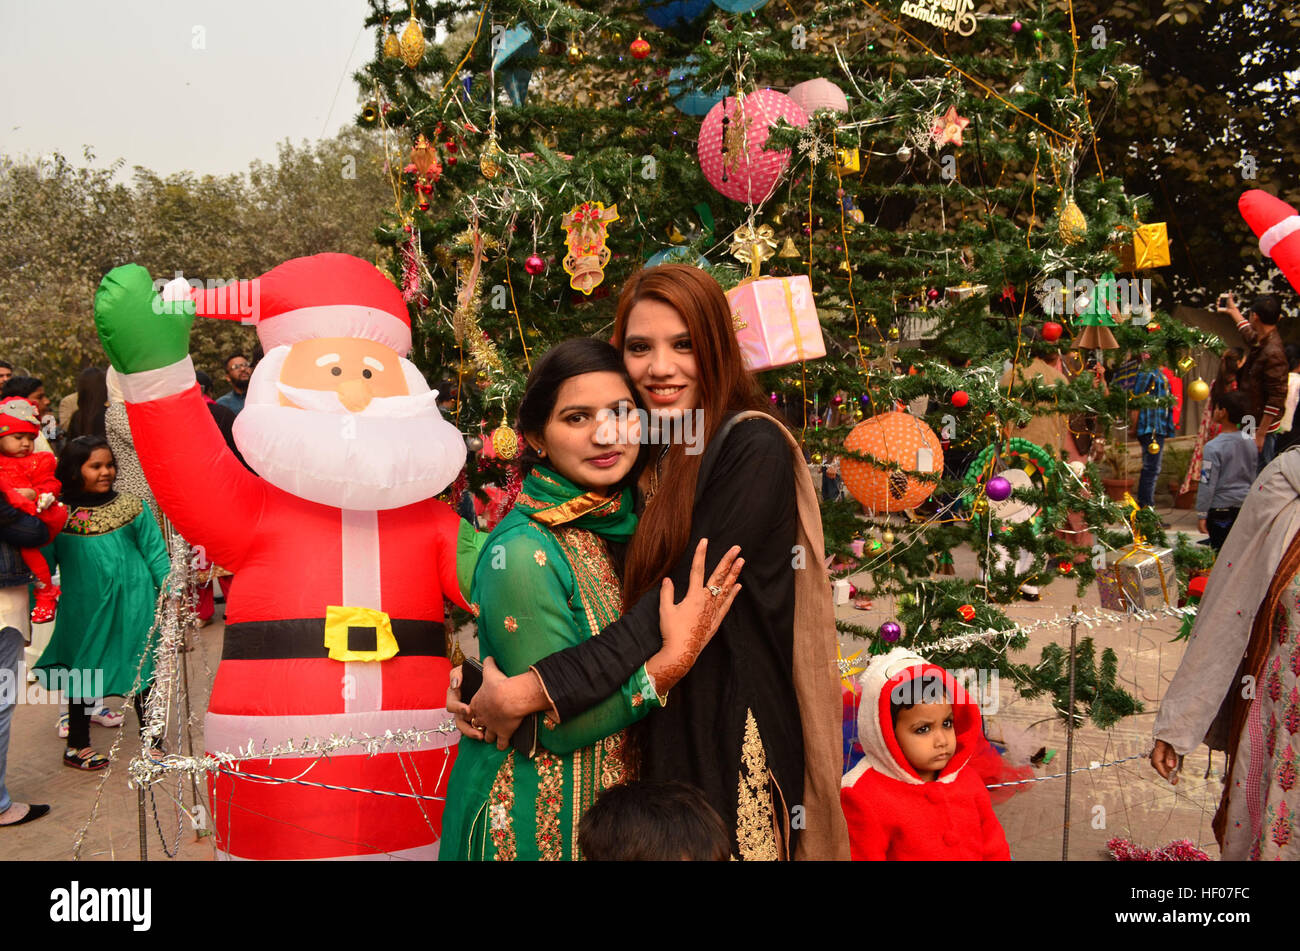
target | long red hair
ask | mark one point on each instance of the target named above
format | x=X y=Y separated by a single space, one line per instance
x=724 y=385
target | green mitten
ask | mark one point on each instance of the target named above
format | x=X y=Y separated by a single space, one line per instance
x=139 y=330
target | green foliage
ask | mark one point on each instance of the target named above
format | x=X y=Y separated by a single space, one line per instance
x=1103 y=701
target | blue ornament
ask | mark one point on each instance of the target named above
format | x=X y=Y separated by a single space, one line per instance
x=740 y=6
x=688 y=98
x=517 y=43
x=670 y=14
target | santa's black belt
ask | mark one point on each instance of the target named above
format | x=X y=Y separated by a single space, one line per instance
x=361 y=638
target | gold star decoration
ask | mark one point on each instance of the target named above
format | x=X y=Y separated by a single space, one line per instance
x=848 y=666
x=947 y=128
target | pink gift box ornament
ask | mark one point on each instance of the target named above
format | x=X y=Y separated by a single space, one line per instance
x=775 y=320
x=857 y=546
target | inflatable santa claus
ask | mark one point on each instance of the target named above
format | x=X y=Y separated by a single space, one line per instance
x=341 y=555
x=1277 y=225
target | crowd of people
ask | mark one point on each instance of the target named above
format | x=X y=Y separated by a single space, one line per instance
x=608 y=719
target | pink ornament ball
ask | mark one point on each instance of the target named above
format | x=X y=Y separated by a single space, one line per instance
x=535 y=264
x=750 y=177
x=890 y=631
x=998 y=489
x=819 y=94
x=1016 y=26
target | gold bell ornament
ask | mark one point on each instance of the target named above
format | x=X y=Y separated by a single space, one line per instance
x=788 y=250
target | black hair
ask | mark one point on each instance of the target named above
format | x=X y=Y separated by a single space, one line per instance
x=92 y=403
x=1236 y=404
x=928 y=688
x=23 y=386
x=203 y=380
x=5 y=364
x=653 y=822
x=1292 y=351
x=1267 y=307
x=563 y=362
x=238 y=354
x=75 y=455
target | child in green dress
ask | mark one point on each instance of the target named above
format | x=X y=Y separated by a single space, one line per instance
x=112 y=562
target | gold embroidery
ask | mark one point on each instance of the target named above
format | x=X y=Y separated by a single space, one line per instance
x=102 y=519
x=550 y=797
x=755 y=823
x=637 y=699
x=549 y=722
x=575 y=508
x=593 y=574
x=510 y=624
x=539 y=556
x=613 y=771
x=501 y=800
x=473 y=608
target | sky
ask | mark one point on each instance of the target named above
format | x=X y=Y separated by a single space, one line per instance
x=200 y=85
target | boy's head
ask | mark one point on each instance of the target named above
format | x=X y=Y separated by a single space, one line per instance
x=1265 y=310
x=653 y=822
x=922 y=715
x=18 y=426
x=1233 y=406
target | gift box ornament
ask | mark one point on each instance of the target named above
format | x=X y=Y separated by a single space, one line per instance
x=1146 y=576
x=848 y=161
x=841 y=590
x=963 y=291
x=1149 y=248
x=1112 y=592
x=775 y=320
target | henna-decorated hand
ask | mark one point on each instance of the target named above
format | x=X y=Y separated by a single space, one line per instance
x=688 y=626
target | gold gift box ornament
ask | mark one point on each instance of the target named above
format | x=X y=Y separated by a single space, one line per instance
x=1149 y=248
x=848 y=161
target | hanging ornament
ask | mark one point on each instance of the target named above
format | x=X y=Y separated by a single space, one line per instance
x=369 y=113
x=1016 y=26
x=731 y=141
x=474 y=443
x=887 y=537
x=535 y=264
x=967 y=612
x=1052 y=331
x=504 y=441
x=489 y=162
x=901 y=446
x=933 y=294
x=998 y=489
x=960 y=398
x=817 y=458
x=585 y=227
x=1065 y=567
x=1039 y=34
x=753 y=246
x=1186 y=363
x=788 y=250
x=772 y=398
x=892 y=333
x=426 y=168
x=639 y=49
x=1198 y=390
x=890 y=631
x=1072 y=226
x=412 y=44
x=1153 y=327
x=947 y=128
x=575 y=54
x=904 y=153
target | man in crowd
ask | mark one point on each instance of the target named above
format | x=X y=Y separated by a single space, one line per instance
x=1153 y=424
x=238 y=372
x=6 y=371
x=1263 y=375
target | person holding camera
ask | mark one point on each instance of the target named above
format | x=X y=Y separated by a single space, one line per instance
x=1263 y=375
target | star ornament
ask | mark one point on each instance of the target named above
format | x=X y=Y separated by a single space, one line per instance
x=947 y=128
x=849 y=668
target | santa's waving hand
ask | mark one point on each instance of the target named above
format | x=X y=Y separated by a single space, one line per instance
x=341 y=555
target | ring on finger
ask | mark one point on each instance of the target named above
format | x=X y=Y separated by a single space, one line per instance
x=714 y=590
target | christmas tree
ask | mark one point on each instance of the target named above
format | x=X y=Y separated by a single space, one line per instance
x=930 y=172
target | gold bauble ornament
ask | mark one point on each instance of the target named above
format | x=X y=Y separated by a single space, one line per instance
x=893 y=333
x=980 y=505
x=369 y=113
x=857 y=413
x=817 y=458
x=1072 y=227
x=412 y=45
x=392 y=46
x=1198 y=390
x=887 y=538
x=575 y=54
x=489 y=162
x=1153 y=447
x=505 y=442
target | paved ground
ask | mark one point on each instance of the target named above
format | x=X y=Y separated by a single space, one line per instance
x=1128 y=799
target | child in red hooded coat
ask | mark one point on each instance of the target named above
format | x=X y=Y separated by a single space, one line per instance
x=27 y=482
x=910 y=797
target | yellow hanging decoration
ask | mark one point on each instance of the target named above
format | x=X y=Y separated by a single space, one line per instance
x=753 y=246
x=1073 y=227
x=1198 y=390
x=412 y=45
x=504 y=440
x=788 y=250
x=1186 y=363
x=392 y=46
x=489 y=162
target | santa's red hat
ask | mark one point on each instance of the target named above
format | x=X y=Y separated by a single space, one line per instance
x=18 y=416
x=325 y=295
x=1277 y=225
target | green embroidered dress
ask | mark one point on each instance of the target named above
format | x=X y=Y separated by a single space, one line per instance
x=544 y=581
x=112 y=562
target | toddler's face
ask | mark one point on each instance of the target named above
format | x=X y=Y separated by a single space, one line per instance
x=17 y=444
x=927 y=737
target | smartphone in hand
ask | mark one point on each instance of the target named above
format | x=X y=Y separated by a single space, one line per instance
x=1224 y=301
x=471 y=678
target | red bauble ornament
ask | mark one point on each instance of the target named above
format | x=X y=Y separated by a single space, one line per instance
x=1152 y=327
x=967 y=612
x=640 y=49
x=960 y=398
x=1052 y=331
x=535 y=264
x=932 y=293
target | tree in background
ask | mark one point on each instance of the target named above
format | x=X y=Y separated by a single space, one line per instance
x=63 y=227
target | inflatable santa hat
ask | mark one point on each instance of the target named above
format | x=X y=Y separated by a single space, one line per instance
x=325 y=295
x=1277 y=225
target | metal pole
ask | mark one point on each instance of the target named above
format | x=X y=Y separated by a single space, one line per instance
x=144 y=840
x=1069 y=736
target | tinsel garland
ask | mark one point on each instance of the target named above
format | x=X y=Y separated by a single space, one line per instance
x=1182 y=850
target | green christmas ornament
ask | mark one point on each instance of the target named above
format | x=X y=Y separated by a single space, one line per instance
x=1096 y=317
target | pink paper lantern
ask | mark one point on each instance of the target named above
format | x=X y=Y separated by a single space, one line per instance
x=752 y=175
x=819 y=94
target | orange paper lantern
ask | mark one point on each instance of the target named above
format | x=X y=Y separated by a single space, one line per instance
x=906 y=442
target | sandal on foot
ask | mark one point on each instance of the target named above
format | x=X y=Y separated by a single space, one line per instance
x=87 y=760
x=106 y=717
x=63 y=726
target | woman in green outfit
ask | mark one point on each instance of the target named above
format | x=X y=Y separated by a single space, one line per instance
x=549 y=578
x=112 y=562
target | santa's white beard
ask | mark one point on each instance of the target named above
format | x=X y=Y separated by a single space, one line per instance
x=397 y=451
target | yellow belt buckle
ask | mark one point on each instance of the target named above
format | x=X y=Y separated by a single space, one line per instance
x=343 y=622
